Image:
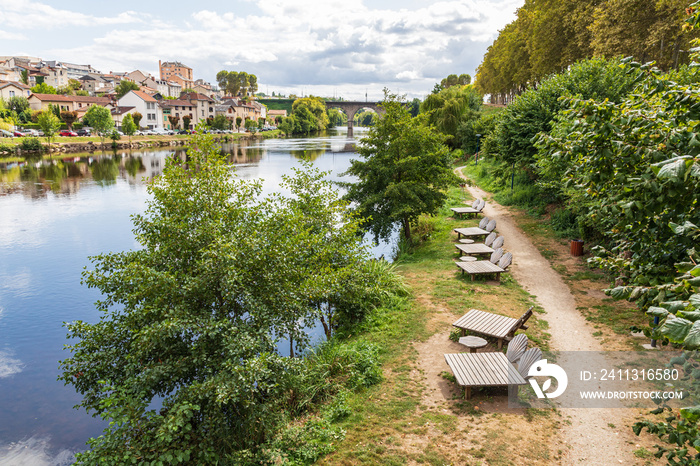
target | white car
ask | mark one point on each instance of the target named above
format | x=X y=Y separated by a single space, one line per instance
x=162 y=131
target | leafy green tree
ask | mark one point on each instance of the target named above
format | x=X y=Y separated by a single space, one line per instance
x=75 y=84
x=137 y=119
x=449 y=108
x=43 y=88
x=69 y=118
x=251 y=125
x=336 y=117
x=100 y=119
x=49 y=124
x=405 y=170
x=174 y=121
x=124 y=87
x=310 y=113
x=24 y=77
x=186 y=121
x=239 y=120
x=18 y=104
x=128 y=126
x=205 y=343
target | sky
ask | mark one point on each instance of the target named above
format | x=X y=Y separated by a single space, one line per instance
x=332 y=48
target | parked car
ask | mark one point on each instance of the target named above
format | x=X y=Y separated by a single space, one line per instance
x=20 y=134
x=185 y=131
x=148 y=132
x=162 y=131
x=67 y=133
x=5 y=134
x=83 y=132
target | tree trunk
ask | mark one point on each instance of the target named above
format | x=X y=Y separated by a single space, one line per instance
x=407 y=229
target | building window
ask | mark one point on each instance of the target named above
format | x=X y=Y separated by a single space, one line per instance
x=12 y=94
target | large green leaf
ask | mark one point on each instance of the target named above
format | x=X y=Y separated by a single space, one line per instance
x=692 y=316
x=675 y=328
x=691 y=413
x=673 y=169
x=657 y=312
x=692 y=340
x=695 y=300
x=674 y=306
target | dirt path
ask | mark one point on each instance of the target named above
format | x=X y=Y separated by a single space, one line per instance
x=594 y=436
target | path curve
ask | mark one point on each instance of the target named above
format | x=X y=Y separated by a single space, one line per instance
x=589 y=438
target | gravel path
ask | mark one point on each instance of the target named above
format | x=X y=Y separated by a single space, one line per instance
x=594 y=436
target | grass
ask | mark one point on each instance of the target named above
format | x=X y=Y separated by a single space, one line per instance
x=391 y=422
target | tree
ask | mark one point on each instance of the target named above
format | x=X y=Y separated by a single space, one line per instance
x=75 y=84
x=128 y=126
x=174 y=121
x=186 y=121
x=205 y=344
x=251 y=125
x=238 y=122
x=137 y=119
x=449 y=108
x=49 y=124
x=69 y=118
x=310 y=113
x=220 y=122
x=405 y=170
x=124 y=87
x=43 y=88
x=100 y=119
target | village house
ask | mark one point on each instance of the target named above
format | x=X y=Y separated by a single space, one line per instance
x=76 y=103
x=9 y=90
x=198 y=107
x=146 y=105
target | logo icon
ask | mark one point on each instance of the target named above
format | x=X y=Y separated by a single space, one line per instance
x=544 y=369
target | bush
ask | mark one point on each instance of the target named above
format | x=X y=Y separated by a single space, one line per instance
x=7 y=150
x=31 y=144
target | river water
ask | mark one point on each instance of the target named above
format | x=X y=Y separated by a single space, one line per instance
x=52 y=217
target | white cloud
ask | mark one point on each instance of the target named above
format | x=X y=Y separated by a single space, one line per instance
x=5 y=35
x=295 y=43
x=24 y=14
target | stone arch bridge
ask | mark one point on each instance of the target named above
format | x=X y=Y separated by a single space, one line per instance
x=352 y=107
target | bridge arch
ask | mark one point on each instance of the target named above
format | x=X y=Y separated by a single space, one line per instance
x=352 y=107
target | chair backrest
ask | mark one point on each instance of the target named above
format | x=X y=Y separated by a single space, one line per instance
x=505 y=261
x=523 y=318
x=481 y=205
x=484 y=221
x=516 y=347
x=489 y=239
x=498 y=242
x=490 y=226
x=475 y=204
x=496 y=255
x=528 y=358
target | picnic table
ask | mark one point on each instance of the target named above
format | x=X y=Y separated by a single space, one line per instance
x=470 y=231
x=475 y=248
x=483 y=370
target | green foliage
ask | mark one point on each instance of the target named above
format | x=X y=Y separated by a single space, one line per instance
x=43 y=88
x=124 y=87
x=237 y=83
x=100 y=119
x=137 y=119
x=31 y=144
x=49 y=124
x=128 y=125
x=220 y=122
x=186 y=119
x=193 y=318
x=69 y=118
x=336 y=118
x=632 y=169
x=405 y=170
x=310 y=115
x=450 y=108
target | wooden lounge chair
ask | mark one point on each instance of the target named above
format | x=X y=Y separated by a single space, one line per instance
x=490 y=369
x=492 y=325
x=498 y=264
x=485 y=227
x=476 y=208
x=491 y=244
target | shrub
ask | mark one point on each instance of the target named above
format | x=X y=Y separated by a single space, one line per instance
x=31 y=145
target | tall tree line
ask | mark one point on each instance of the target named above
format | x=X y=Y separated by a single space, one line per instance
x=549 y=35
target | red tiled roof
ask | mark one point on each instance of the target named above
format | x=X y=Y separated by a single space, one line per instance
x=71 y=98
x=144 y=96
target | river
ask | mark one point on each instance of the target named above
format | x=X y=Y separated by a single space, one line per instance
x=52 y=217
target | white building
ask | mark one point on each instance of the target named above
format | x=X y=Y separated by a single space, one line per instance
x=146 y=105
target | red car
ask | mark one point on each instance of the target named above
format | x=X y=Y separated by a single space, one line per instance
x=65 y=132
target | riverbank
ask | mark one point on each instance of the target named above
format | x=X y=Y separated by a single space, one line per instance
x=92 y=143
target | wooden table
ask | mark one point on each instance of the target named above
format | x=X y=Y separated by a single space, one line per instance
x=483 y=370
x=476 y=248
x=470 y=231
x=464 y=210
x=473 y=343
x=480 y=268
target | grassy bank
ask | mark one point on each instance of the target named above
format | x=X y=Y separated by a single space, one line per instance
x=406 y=419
